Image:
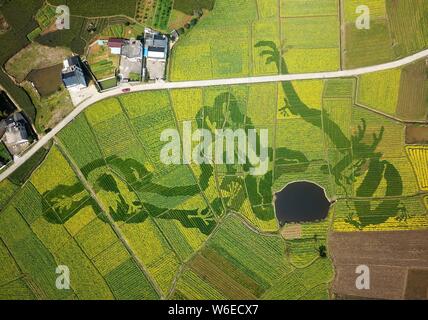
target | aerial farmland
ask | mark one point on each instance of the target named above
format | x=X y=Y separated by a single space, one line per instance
x=282 y=155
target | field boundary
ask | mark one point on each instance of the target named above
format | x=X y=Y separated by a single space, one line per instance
x=116 y=229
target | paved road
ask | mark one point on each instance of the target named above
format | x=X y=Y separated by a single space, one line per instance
x=203 y=83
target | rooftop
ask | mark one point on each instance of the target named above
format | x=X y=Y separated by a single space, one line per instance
x=155 y=45
x=132 y=49
x=70 y=64
x=72 y=73
x=15 y=135
x=115 y=43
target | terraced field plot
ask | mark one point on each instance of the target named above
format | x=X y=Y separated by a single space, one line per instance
x=224 y=44
x=307 y=33
x=103 y=64
x=392 y=33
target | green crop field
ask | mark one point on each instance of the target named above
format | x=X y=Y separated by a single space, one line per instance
x=4 y=154
x=103 y=64
x=95 y=8
x=380 y=90
x=103 y=183
x=408 y=25
x=177 y=209
x=392 y=32
x=309 y=40
x=8 y=189
x=45 y=16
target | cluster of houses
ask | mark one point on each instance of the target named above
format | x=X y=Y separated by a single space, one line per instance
x=140 y=60
x=146 y=57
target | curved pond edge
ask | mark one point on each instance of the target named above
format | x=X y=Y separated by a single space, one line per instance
x=332 y=201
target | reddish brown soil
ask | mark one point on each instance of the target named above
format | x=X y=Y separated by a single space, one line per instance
x=417 y=134
x=389 y=256
x=417 y=284
x=413 y=92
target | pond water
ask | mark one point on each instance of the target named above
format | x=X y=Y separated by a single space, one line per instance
x=6 y=105
x=47 y=80
x=301 y=201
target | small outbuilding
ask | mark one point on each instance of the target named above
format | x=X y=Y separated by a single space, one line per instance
x=115 y=45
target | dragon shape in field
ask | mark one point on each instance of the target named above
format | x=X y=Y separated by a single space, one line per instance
x=120 y=181
x=359 y=158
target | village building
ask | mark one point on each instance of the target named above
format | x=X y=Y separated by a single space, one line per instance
x=131 y=61
x=155 y=54
x=14 y=133
x=128 y=60
x=115 y=45
x=73 y=75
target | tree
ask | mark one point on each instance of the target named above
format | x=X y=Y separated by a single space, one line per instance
x=322 y=250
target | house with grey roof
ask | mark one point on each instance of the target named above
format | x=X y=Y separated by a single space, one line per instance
x=15 y=134
x=133 y=49
x=131 y=61
x=72 y=74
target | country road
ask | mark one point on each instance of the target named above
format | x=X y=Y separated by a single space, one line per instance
x=203 y=83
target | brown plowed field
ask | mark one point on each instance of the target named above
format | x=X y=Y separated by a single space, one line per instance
x=417 y=134
x=397 y=262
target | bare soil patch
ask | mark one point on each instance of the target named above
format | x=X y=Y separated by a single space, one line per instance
x=413 y=93
x=389 y=256
x=292 y=231
x=47 y=80
x=417 y=284
x=50 y=29
x=417 y=134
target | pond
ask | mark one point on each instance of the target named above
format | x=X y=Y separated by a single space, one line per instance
x=301 y=201
x=6 y=105
x=47 y=80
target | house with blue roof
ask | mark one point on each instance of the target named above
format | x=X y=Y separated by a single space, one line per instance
x=73 y=75
x=155 y=53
